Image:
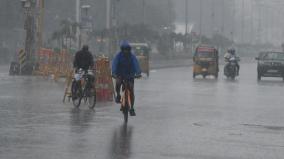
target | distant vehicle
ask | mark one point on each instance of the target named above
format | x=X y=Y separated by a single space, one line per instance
x=142 y=51
x=230 y=70
x=270 y=64
x=206 y=61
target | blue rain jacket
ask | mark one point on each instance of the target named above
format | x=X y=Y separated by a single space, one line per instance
x=125 y=66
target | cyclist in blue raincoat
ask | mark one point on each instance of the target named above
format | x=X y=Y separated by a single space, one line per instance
x=125 y=66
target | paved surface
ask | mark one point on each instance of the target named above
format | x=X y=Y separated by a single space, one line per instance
x=178 y=117
x=170 y=63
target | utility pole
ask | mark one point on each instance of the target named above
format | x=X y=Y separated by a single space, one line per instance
x=108 y=26
x=213 y=17
x=223 y=18
x=113 y=13
x=259 y=30
x=144 y=12
x=78 y=15
x=108 y=13
x=30 y=42
x=86 y=25
x=40 y=24
x=186 y=26
x=266 y=20
x=252 y=22
x=186 y=17
x=200 y=21
x=243 y=21
x=170 y=12
x=233 y=20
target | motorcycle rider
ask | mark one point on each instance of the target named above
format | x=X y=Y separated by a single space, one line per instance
x=231 y=53
x=125 y=66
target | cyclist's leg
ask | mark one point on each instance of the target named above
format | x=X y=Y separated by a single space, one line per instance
x=132 y=96
x=118 y=84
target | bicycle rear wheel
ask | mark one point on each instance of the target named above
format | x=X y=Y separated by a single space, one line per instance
x=125 y=114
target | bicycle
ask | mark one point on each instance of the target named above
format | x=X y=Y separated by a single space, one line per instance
x=83 y=89
x=126 y=102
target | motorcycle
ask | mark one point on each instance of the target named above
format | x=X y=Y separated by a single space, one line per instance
x=231 y=69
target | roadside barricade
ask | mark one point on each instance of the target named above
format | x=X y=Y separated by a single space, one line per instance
x=104 y=83
x=52 y=64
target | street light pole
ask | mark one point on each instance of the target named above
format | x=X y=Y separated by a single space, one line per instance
x=30 y=41
x=200 y=21
x=213 y=17
x=78 y=13
x=233 y=21
x=144 y=11
x=186 y=26
x=108 y=13
x=243 y=21
x=40 y=27
x=170 y=12
x=186 y=17
x=252 y=23
x=86 y=26
x=108 y=26
x=223 y=18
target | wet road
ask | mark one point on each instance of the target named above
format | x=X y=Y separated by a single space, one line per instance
x=177 y=117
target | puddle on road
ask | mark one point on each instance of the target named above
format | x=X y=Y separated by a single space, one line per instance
x=201 y=124
x=268 y=127
x=6 y=97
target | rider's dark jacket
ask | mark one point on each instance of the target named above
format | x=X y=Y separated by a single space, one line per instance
x=83 y=59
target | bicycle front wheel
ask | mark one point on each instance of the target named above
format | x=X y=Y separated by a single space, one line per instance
x=92 y=100
x=76 y=94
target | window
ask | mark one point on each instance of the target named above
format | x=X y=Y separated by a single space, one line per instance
x=205 y=54
x=273 y=56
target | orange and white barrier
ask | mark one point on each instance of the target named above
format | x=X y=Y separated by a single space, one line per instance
x=53 y=64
